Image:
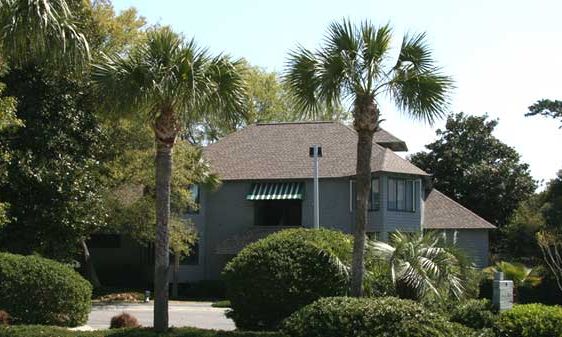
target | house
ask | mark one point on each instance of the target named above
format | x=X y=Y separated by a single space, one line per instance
x=267 y=186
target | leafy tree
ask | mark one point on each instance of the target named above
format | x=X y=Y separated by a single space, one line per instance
x=356 y=66
x=546 y=108
x=131 y=187
x=110 y=33
x=476 y=169
x=172 y=84
x=422 y=266
x=8 y=120
x=550 y=243
x=518 y=237
x=52 y=172
x=552 y=207
x=269 y=100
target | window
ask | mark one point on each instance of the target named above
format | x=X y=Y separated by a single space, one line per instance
x=401 y=195
x=278 y=213
x=105 y=241
x=374 y=195
x=195 y=197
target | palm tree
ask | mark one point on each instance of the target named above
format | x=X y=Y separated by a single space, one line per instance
x=421 y=265
x=42 y=31
x=171 y=83
x=356 y=66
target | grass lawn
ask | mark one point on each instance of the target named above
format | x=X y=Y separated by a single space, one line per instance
x=221 y=304
x=46 y=331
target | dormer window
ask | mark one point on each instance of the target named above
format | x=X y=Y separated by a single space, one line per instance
x=401 y=195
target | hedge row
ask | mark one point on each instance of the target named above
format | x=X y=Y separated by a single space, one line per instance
x=46 y=331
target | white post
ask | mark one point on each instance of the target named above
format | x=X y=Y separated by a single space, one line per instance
x=316 y=192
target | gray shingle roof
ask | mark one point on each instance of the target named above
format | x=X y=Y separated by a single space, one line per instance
x=281 y=151
x=388 y=140
x=441 y=212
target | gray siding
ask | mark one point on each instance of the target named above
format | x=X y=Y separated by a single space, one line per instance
x=474 y=242
x=401 y=220
x=226 y=212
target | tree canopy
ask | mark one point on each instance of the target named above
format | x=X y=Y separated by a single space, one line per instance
x=472 y=166
x=546 y=108
x=52 y=173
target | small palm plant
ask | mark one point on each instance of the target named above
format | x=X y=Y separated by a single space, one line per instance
x=421 y=265
x=521 y=275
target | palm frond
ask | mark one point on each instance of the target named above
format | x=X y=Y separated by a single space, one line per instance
x=166 y=73
x=417 y=85
x=302 y=80
x=42 y=32
x=422 y=263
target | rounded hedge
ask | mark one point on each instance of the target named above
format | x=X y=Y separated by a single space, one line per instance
x=35 y=290
x=530 y=320
x=366 y=317
x=270 y=279
x=476 y=314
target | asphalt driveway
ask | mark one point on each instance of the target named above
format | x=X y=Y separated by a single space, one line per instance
x=193 y=314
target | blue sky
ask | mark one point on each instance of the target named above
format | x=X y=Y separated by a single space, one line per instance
x=503 y=55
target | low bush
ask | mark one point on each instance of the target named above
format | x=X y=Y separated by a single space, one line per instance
x=530 y=320
x=270 y=279
x=124 y=320
x=35 y=290
x=46 y=331
x=476 y=314
x=4 y=318
x=350 y=317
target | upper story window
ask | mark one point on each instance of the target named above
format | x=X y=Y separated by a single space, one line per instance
x=195 y=197
x=401 y=195
x=374 y=195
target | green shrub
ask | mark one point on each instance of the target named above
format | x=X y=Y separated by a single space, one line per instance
x=530 y=320
x=36 y=290
x=351 y=317
x=476 y=314
x=272 y=278
x=47 y=331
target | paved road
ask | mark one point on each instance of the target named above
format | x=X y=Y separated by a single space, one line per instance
x=195 y=314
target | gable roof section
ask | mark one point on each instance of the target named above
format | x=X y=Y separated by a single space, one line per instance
x=442 y=212
x=390 y=141
x=281 y=151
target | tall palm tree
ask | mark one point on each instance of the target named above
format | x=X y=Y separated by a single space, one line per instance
x=43 y=31
x=355 y=66
x=171 y=83
x=421 y=265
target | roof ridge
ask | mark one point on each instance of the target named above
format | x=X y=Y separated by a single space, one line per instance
x=294 y=122
x=466 y=209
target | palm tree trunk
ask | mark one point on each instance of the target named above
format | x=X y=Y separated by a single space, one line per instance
x=365 y=122
x=162 y=244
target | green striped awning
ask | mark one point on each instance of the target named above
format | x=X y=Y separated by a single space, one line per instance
x=276 y=191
